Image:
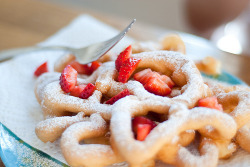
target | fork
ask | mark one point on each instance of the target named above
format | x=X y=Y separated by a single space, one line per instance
x=83 y=55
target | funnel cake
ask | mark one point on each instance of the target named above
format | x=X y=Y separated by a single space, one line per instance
x=236 y=102
x=243 y=136
x=180 y=120
x=183 y=71
x=171 y=42
x=76 y=120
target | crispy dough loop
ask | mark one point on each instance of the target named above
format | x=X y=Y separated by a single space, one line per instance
x=209 y=65
x=171 y=63
x=235 y=101
x=217 y=87
x=179 y=121
x=243 y=137
x=51 y=129
x=241 y=112
x=236 y=104
x=209 y=156
x=42 y=82
x=145 y=46
x=171 y=42
x=169 y=152
x=56 y=103
x=77 y=154
x=226 y=148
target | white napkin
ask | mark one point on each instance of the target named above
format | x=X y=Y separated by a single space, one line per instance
x=19 y=110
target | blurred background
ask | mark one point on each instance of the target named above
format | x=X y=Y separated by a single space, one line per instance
x=164 y=13
x=224 y=22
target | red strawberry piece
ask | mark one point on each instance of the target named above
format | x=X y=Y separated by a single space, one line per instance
x=68 y=79
x=167 y=80
x=81 y=68
x=94 y=66
x=41 y=69
x=87 y=91
x=122 y=57
x=77 y=90
x=143 y=76
x=142 y=131
x=210 y=102
x=127 y=69
x=142 y=120
x=157 y=86
x=122 y=94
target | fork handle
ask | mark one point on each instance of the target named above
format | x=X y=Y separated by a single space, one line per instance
x=8 y=54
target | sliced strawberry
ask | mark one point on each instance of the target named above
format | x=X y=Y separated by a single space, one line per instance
x=164 y=78
x=122 y=57
x=210 y=102
x=157 y=86
x=94 y=66
x=142 y=120
x=68 y=79
x=127 y=69
x=87 y=91
x=167 y=80
x=142 y=131
x=117 y=97
x=219 y=107
x=41 y=69
x=77 y=90
x=86 y=69
x=80 y=68
x=143 y=76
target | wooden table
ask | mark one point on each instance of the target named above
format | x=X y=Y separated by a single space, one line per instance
x=27 y=22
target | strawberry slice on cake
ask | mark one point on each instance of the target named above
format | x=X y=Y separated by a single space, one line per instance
x=77 y=90
x=122 y=57
x=87 y=91
x=86 y=69
x=68 y=79
x=127 y=69
x=142 y=126
x=68 y=82
x=126 y=65
x=80 y=68
x=210 y=102
x=154 y=82
x=117 y=97
x=41 y=69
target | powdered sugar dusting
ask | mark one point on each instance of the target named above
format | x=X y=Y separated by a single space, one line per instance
x=209 y=128
x=60 y=121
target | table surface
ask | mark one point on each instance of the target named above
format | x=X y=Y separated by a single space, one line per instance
x=27 y=22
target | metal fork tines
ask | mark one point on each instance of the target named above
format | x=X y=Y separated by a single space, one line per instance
x=93 y=52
